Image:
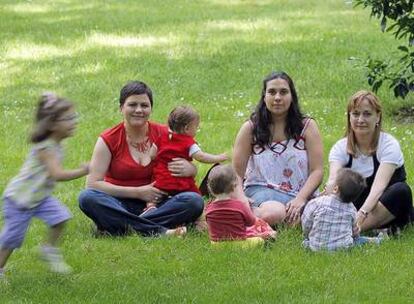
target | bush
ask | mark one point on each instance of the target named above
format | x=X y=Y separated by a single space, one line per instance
x=398 y=73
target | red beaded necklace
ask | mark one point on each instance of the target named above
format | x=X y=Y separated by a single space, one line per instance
x=141 y=146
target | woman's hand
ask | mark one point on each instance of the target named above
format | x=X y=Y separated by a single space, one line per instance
x=181 y=167
x=360 y=218
x=294 y=209
x=149 y=193
x=314 y=147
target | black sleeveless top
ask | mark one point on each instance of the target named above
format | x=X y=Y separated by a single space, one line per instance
x=398 y=176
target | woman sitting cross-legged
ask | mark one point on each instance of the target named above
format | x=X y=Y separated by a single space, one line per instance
x=278 y=153
x=120 y=180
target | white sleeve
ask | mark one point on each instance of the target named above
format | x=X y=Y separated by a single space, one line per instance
x=389 y=150
x=194 y=149
x=338 y=152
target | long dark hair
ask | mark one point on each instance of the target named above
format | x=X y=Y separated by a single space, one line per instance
x=262 y=118
x=49 y=110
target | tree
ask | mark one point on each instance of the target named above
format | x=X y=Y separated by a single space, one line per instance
x=398 y=73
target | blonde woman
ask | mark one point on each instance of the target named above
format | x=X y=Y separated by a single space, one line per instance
x=387 y=201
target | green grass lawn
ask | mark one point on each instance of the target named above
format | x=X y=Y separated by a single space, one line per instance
x=212 y=54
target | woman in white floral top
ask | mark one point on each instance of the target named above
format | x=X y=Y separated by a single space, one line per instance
x=279 y=154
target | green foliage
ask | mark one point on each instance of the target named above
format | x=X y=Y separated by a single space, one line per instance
x=398 y=73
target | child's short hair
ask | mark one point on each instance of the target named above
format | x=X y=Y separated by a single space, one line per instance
x=350 y=184
x=49 y=109
x=180 y=117
x=222 y=179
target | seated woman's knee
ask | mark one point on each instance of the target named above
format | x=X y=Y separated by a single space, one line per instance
x=192 y=199
x=273 y=213
x=86 y=198
x=402 y=190
x=197 y=203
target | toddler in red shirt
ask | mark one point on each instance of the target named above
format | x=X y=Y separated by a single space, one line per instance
x=228 y=216
x=183 y=124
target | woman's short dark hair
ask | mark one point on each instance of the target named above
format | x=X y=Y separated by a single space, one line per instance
x=262 y=118
x=135 y=88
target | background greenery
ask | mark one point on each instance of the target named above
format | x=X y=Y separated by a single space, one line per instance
x=212 y=54
x=397 y=17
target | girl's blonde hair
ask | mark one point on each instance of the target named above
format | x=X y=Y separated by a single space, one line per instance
x=180 y=117
x=49 y=109
x=354 y=102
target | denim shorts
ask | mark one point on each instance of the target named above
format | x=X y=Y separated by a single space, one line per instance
x=261 y=194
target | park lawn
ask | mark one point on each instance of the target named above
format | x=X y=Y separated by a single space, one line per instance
x=212 y=54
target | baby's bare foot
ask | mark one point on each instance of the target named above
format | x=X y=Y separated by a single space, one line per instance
x=180 y=231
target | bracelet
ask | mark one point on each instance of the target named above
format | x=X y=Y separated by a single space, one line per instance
x=364 y=213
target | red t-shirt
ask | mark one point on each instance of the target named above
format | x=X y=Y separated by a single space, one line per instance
x=228 y=219
x=169 y=146
x=123 y=169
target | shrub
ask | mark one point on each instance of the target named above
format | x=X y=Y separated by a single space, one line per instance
x=399 y=73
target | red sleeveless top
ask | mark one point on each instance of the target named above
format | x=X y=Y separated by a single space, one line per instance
x=123 y=169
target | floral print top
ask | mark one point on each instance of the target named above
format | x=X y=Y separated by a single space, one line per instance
x=280 y=165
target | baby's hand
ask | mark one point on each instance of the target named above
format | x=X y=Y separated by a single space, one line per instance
x=223 y=157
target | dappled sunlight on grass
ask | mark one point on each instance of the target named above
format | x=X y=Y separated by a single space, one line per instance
x=60 y=18
x=91 y=68
x=74 y=7
x=8 y=73
x=35 y=52
x=240 y=2
x=300 y=14
x=247 y=25
x=28 y=8
x=276 y=32
x=176 y=53
x=305 y=21
x=111 y=40
x=32 y=8
x=32 y=51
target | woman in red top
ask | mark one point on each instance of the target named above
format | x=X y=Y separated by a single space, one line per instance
x=119 y=182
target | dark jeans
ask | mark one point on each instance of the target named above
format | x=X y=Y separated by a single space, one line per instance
x=118 y=216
